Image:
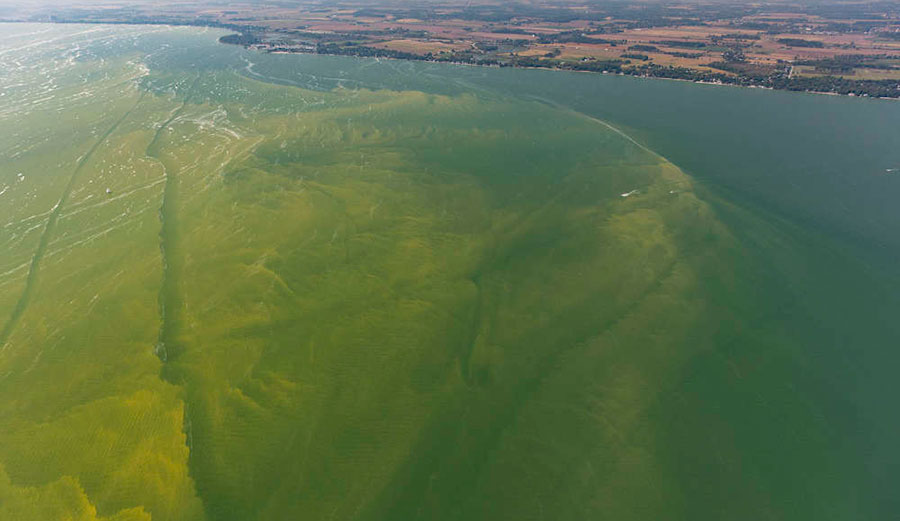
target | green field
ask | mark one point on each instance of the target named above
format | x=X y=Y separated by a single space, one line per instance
x=224 y=298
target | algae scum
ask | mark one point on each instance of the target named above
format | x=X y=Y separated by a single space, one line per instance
x=247 y=287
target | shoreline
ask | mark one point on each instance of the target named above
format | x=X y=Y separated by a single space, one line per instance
x=637 y=74
x=562 y=69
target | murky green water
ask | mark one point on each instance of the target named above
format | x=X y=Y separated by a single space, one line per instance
x=237 y=286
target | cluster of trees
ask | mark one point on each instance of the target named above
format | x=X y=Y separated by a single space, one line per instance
x=872 y=88
x=576 y=37
x=846 y=63
x=355 y=49
x=681 y=44
x=509 y=30
x=566 y=37
x=755 y=26
x=244 y=39
x=352 y=49
x=800 y=42
x=733 y=36
x=759 y=73
x=679 y=54
x=614 y=66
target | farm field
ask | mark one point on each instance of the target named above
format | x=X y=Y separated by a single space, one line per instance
x=247 y=286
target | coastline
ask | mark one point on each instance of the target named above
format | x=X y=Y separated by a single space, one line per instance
x=646 y=72
x=564 y=69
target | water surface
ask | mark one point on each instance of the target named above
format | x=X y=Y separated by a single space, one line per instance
x=246 y=286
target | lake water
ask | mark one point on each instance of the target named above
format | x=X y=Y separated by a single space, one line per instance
x=246 y=286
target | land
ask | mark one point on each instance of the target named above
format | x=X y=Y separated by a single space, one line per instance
x=834 y=47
